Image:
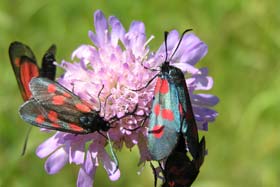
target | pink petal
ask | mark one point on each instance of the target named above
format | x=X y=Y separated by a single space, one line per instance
x=184 y=67
x=203 y=114
x=84 y=52
x=87 y=173
x=201 y=82
x=118 y=31
x=48 y=146
x=109 y=166
x=101 y=27
x=137 y=27
x=84 y=179
x=204 y=99
x=56 y=161
x=195 y=49
x=77 y=153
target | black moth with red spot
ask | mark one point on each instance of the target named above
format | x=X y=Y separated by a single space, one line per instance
x=172 y=112
x=179 y=170
x=172 y=126
x=55 y=107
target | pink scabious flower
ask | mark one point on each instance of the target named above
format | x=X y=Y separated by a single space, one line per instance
x=106 y=75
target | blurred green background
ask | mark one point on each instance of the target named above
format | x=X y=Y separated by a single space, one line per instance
x=243 y=39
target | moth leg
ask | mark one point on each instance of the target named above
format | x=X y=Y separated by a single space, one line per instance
x=142 y=124
x=116 y=118
x=149 y=82
x=155 y=173
x=102 y=134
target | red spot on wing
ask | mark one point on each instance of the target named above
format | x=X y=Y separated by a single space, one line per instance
x=17 y=62
x=158 y=84
x=40 y=119
x=157 y=131
x=171 y=183
x=66 y=95
x=51 y=88
x=52 y=116
x=157 y=109
x=180 y=108
x=75 y=127
x=82 y=107
x=28 y=70
x=58 y=100
x=164 y=89
x=167 y=114
x=55 y=125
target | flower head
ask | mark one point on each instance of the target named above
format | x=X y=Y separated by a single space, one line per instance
x=106 y=75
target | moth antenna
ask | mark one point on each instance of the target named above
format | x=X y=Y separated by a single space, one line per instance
x=142 y=124
x=115 y=118
x=149 y=82
x=105 y=103
x=178 y=45
x=98 y=96
x=165 y=43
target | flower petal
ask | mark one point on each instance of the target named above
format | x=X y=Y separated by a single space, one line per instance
x=77 y=153
x=184 y=67
x=110 y=166
x=201 y=82
x=84 y=179
x=49 y=146
x=136 y=27
x=194 y=49
x=135 y=38
x=56 y=161
x=101 y=29
x=203 y=114
x=86 y=172
x=84 y=52
x=204 y=99
x=202 y=125
x=118 y=31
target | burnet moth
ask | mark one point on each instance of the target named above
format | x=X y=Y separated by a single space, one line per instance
x=172 y=112
x=172 y=128
x=25 y=67
x=54 y=107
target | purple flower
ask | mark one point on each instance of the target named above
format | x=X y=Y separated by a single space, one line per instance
x=118 y=61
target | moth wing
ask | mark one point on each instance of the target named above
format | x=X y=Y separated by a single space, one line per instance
x=24 y=65
x=164 y=127
x=55 y=97
x=201 y=154
x=179 y=169
x=48 y=68
x=189 y=126
x=32 y=112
